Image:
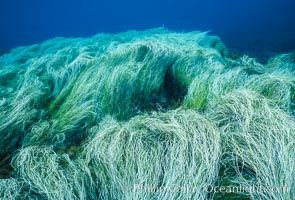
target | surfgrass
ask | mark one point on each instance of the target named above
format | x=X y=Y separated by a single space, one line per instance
x=160 y=150
x=258 y=144
x=148 y=114
x=9 y=189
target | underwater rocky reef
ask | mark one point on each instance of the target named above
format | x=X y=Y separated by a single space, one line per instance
x=148 y=114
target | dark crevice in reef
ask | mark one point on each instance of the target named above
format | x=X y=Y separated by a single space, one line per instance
x=141 y=53
x=71 y=150
x=172 y=90
x=5 y=166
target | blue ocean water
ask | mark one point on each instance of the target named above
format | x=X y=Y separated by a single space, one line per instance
x=258 y=27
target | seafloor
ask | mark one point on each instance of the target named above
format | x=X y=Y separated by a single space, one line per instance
x=145 y=115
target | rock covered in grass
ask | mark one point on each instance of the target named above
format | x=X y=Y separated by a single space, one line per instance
x=144 y=115
x=164 y=151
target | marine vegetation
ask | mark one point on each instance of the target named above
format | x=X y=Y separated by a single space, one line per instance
x=145 y=115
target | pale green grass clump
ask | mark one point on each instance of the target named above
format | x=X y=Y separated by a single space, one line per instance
x=45 y=174
x=161 y=150
x=9 y=189
x=258 y=143
x=144 y=115
x=39 y=168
